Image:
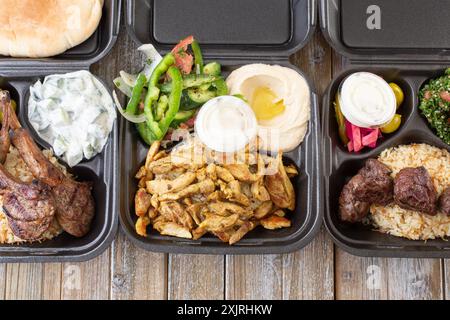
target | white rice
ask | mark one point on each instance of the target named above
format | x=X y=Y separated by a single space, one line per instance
x=406 y=223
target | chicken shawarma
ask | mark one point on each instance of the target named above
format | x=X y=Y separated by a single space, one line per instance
x=42 y=196
x=186 y=198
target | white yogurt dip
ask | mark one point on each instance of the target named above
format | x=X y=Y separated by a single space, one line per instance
x=72 y=112
x=226 y=124
x=367 y=100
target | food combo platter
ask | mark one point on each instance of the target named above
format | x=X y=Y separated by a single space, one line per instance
x=220 y=149
x=418 y=143
x=19 y=74
x=231 y=51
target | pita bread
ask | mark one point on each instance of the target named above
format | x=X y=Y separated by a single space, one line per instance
x=45 y=28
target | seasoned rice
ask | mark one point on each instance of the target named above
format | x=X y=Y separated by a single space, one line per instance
x=406 y=223
x=17 y=167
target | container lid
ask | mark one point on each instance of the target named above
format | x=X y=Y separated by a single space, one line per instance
x=232 y=28
x=383 y=30
x=81 y=56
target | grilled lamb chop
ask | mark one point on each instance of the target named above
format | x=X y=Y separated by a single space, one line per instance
x=5 y=141
x=74 y=201
x=29 y=208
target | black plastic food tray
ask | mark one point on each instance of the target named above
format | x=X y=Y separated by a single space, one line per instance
x=17 y=75
x=340 y=165
x=307 y=217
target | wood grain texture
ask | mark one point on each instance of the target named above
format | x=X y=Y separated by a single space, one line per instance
x=446 y=278
x=307 y=274
x=137 y=274
x=196 y=277
x=382 y=278
x=23 y=281
x=32 y=281
x=2 y=281
x=88 y=280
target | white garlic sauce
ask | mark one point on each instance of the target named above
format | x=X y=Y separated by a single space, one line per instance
x=72 y=112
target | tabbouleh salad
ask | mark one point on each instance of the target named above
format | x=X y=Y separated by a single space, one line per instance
x=435 y=105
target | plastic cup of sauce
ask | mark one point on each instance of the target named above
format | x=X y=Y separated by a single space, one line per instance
x=367 y=100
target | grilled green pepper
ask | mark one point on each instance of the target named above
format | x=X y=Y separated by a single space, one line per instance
x=132 y=106
x=153 y=95
x=189 y=81
x=198 y=57
x=161 y=107
x=174 y=100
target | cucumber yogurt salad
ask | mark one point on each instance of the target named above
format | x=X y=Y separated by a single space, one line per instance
x=72 y=112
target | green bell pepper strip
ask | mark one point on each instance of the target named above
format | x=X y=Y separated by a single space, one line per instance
x=153 y=94
x=198 y=57
x=161 y=107
x=174 y=99
x=148 y=111
x=161 y=68
x=221 y=87
x=132 y=106
x=145 y=133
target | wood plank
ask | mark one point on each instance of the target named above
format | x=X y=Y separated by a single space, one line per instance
x=2 y=281
x=23 y=281
x=88 y=280
x=381 y=278
x=137 y=274
x=196 y=277
x=307 y=274
x=254 y=277
x=446 y=279
x=51 y=281
x=32 y=281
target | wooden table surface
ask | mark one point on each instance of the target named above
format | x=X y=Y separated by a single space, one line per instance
x=319 y=271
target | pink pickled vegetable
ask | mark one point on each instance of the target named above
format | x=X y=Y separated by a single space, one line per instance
x=370 y=140
x=357 y=141
x=350 y=146
x=361 y=137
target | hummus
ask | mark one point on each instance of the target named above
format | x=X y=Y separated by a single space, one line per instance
x=289 y=124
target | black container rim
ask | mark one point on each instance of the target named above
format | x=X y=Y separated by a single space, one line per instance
x=295 y=43
x=330 y=22
x=25 y=64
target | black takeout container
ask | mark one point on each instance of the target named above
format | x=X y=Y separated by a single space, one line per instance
x=17 y=75
x=410 y=66
x=227 y=31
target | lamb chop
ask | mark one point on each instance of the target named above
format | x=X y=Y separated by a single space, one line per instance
x=29 y=207
x=74 y=201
